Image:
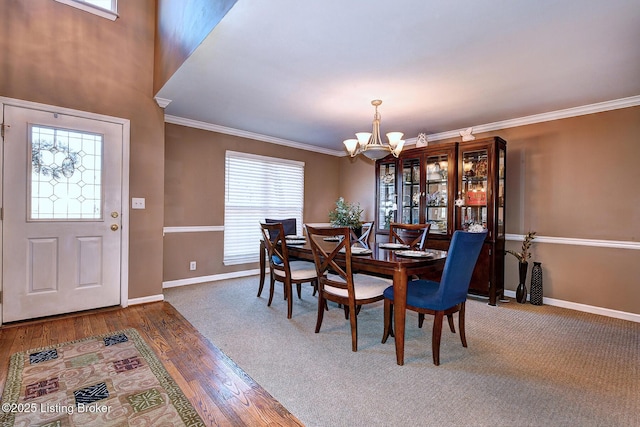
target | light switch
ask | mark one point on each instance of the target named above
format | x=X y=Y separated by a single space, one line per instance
x=137 y=203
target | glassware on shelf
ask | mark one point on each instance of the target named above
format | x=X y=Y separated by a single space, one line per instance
x=387 y=194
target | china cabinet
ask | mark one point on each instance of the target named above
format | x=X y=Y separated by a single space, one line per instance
x=452 y=186
x=481 y=200
x=386 y=194
x=422 y=182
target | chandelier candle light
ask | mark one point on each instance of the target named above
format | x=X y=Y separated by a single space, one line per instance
x=370 y=144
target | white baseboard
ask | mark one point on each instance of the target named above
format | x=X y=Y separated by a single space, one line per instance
x=212 y=278
x=548 y=301
x=144 y=300
x=584 y=307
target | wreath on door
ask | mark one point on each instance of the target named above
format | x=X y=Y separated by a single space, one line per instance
x=66 y=168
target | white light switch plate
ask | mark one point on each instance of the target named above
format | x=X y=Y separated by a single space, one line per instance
x=137 y=203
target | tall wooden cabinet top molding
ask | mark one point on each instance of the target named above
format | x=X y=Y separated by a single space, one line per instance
x=452 y=186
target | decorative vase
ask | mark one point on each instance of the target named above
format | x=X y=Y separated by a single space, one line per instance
x=521 y=291
x=357 y=231
x=535 y=297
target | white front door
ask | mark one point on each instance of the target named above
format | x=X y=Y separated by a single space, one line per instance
x=62 y=205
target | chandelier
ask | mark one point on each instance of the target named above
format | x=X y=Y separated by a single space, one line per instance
x=370 y=144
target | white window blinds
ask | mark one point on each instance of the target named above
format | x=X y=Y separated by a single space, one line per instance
x=256 y=188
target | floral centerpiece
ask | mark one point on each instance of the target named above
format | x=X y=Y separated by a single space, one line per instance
x=346 y=215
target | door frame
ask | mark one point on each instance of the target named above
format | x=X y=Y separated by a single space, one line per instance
x=126 y=128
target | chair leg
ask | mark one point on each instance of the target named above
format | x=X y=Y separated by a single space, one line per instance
x=463 y=337
x=388 y=320
x=420 y=319
x=272 y=284
x=435 y=337
x=354 y=329
x=289 y=295
x=346 y=312
x=299 y=286
x=450 y=319
x=322 y=303
x=261 y=284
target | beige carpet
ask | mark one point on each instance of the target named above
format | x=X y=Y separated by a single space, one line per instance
x=525 y=365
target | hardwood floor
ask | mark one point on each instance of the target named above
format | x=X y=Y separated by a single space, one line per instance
x=219 y=390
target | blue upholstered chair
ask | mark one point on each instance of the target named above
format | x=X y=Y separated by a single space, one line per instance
x=443 y=298
x=289 y=224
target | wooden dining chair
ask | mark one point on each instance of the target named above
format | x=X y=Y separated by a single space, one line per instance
x=336 y=281
x=289 y=272
x=445 y=297
x=413 y=235
x=365 y=236
x=290 y=228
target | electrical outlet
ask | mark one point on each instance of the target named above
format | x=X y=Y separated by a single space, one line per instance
x=137 y=203
x=192 y=265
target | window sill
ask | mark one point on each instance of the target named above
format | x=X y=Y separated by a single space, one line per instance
x=108 y=14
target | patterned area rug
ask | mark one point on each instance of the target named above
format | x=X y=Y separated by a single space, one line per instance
x=108 y=380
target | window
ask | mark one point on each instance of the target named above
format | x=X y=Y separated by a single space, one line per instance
x=258 y=187
x=105 y=8
x=66 y=175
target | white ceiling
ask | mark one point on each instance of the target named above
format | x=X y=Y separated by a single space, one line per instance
x=306 y=71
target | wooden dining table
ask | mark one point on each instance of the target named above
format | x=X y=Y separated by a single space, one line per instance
x=383 y=262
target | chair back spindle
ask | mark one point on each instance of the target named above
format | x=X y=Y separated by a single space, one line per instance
x=413 y=235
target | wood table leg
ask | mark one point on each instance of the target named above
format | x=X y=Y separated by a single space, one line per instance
x=399 y=314
x=262 y=267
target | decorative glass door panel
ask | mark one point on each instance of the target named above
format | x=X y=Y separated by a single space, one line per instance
x=474 y=187
x=388 y=199
x=500 y=227
x=66 y=175
x=437 y=193
x=411 y=192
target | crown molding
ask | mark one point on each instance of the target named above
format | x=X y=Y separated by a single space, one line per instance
x=250 y=135
x=162 y=102
x=599 y=107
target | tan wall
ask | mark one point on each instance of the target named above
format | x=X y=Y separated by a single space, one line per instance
x=358 y=185
x=55 y=54
x=578 y=178
x=574 y=178
x=194 y=194
x=571 y=178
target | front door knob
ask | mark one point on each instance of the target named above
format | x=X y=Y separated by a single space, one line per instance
x=114 y=227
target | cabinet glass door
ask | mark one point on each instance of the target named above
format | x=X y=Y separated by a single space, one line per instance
x=475 y=166
x=436 y=210
x=411 y=191
x=388 y=199
x=501 y=192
